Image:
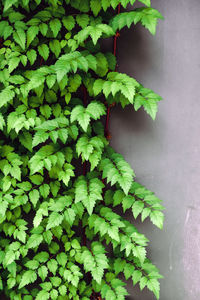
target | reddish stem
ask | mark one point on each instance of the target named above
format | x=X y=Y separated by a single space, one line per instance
x=1 y=43
x=84 y=95
x=41 y=61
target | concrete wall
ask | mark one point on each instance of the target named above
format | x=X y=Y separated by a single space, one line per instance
x=165 y=153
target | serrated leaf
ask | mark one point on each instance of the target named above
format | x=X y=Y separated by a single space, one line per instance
x=32 y=264
x=31 y=55
x=6 y=95
x=53 y=266
x=20 y=38
x=95 y=6
x=137 y=208
x=8 y=4
x=157 y=218
x=44 y=295
x=154 y=286
x=136 y=276
x=31 y=34
x=78 y=114
x=55 y=26
x=54 y=220
x=43 y=51
x=68 y=22
x=28 y=277
x=42 y=272
x=9 y=258
x=34 y=241
x=70 y=216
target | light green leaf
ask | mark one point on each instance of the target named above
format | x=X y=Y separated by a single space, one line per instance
x=137 y=208
x=95 y=6
x=42 y=272
x=43 y=51
x=157 y=218
x=28 y=277
x=44 y=295
x=52 y=265
x=31 y=34
x=31 y=55
x=8 y=4
x=70 y=216
x=34 y=241
x=154 y=286
x=20 y=38
x=6 y=95
x=54 y=220
x=55 y=26
x=9 y=258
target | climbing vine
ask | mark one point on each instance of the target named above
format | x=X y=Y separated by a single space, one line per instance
x=60 y=180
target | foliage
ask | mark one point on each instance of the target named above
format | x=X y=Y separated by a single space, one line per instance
x=60 y=179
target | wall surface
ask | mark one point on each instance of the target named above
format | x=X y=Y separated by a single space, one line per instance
x=165 y=153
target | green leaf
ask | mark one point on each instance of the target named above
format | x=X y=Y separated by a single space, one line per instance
x=82 y=20
x=96 y=110
x=137 y=208
x=110 y=295
x=63 y=135
x=39 y=137
x=62 y=259
x=116 y=170
x=95 y=6
x=43 y=51
x=154 y=286
x=31 y=55
x=11 y=282
x=88 y=192
x=146 y=2
x=44 y=295
x=34 y=241
x=136 y=276
x=70 y=216
x=9 y=258
x=55 y=26
x=42 y=272
x=6 y=95
x=31 y=34
x=8 y=4
x=32 y=264
x=157 y=218
x=62 y=290
x=28 y=277
x=44 y=190
x=70 y=62
x=53 y=266
x=78 y=114
x=68 y=22
x=55 y=47
x=43 y=29
x=54 y=220
x=26 y=140
x=20 y=38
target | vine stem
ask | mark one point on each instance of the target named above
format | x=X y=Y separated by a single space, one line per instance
x=106 y=128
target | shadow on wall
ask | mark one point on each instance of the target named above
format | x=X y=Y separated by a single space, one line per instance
x=133 y=46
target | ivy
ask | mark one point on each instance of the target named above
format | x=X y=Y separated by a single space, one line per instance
x=61 y=237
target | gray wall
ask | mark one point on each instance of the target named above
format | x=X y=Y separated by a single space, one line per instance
x=165 y=153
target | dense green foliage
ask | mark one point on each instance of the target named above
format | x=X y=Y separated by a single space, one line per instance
x=61 y=237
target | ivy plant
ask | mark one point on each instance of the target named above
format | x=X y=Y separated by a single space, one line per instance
x=60 y=180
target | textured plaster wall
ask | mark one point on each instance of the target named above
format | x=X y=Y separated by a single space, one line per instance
x=165 y=154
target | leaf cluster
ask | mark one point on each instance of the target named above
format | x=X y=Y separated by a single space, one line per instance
x=59 y=177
